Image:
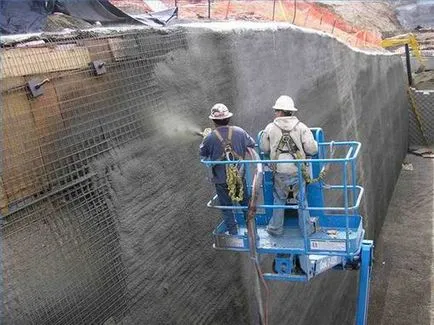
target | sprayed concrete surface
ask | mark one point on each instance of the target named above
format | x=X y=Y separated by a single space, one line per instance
x=155 y=189
x=160 y=190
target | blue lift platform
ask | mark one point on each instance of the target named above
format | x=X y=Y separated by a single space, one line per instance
x=322 y=230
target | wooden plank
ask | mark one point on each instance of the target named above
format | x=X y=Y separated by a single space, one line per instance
x=46 y=113
x=27 y=61
x=22 y=162
x=49 y=128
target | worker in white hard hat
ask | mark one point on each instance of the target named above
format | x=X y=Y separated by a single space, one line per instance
x=286 y=138
x=225 y=140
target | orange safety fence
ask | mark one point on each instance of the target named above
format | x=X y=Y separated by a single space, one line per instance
x=300 y=13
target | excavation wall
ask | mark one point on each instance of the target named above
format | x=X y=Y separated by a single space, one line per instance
x=102 y=192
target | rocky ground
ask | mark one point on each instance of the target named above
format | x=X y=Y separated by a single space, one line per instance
x=379 y=16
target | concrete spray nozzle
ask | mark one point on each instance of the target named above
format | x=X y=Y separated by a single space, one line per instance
x=204 y=133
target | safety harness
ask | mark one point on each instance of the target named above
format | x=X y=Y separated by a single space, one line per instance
x=291 y=147
x=233 y=176
x=287 y=141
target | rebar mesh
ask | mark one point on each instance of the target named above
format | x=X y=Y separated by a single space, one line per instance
x=421 y=117
x=61 y=252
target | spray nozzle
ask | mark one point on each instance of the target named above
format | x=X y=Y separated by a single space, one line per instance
x=204 y=133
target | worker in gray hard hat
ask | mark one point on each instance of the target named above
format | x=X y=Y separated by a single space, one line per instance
x=225 y=143
x=286 y=138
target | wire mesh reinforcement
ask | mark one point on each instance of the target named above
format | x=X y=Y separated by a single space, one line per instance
x=61 y=253
x=421 y=117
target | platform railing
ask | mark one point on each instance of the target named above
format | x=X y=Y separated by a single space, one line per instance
x=359 y=194
x=350 y=157
x=349 y=151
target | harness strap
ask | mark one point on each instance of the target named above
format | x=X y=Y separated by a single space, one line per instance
x=219 y=136
x=286 y=139
x=227 y=144
x=233 y=176
x=230 y=134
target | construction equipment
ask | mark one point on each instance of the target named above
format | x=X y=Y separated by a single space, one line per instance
x=409 y=41
x=321 y=236
x=404 y=39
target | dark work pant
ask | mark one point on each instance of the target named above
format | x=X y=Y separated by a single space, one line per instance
x=225 y=200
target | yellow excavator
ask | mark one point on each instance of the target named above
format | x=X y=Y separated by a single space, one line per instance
x=405 y=39
x=409 y=41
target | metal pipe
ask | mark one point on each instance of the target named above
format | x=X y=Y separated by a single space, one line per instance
x=302 y=205
x=209 y=9
x=227 y=9
x=293 y=207
x=364 y=277
x=274 y=8
x=337 y=143
x=333 y=28
x=347 y=220
x=407 y=59
x=269 y=161
x=353 y=179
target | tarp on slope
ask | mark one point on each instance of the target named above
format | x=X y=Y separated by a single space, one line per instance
x=104 y=12
x=22 y=16
x=26 y=16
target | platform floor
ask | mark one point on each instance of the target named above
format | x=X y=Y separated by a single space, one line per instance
x=291 y=238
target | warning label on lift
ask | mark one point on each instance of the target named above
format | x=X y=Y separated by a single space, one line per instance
x=325 y=245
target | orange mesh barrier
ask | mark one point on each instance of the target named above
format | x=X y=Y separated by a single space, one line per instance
x=300 y=13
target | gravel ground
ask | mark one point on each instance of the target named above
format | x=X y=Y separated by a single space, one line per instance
x=403 y=276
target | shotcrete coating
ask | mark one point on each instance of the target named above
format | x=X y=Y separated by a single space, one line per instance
x=158 y=189
x=165 y=228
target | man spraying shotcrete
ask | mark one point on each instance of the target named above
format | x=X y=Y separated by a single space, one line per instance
x=286 y=138
x=226 y=143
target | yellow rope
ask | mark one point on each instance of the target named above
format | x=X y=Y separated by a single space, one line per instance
x=322 y=173
x=306 y=174
x=235 y=183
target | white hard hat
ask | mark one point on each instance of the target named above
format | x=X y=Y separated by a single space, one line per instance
x=285 y=103
x=220 y=112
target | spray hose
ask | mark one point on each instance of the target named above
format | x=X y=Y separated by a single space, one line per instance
x=251 y=231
